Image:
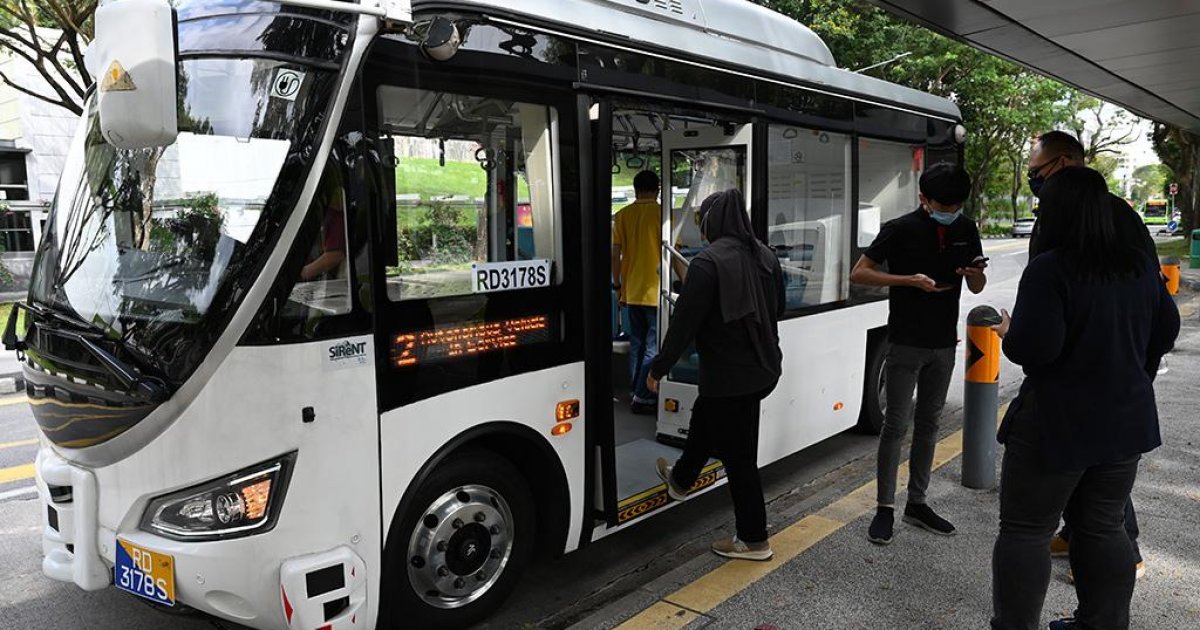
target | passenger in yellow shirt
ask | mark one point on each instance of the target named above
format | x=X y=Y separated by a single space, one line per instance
x=637 y=232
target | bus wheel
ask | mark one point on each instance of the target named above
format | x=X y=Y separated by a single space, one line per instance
x=874 y=406
x=453 y=562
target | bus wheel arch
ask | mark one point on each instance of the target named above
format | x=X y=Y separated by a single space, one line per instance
x=503 y=474
x=874 y=399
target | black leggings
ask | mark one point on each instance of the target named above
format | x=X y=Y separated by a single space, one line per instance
x=727 y=428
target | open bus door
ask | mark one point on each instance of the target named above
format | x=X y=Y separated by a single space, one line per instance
x=699 y=162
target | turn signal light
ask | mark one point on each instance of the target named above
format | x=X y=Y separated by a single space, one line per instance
x=671 y=405
x=838 y=406
x=566 y=410
x=562 y=428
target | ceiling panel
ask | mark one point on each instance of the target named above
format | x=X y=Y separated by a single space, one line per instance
x=1142 y=54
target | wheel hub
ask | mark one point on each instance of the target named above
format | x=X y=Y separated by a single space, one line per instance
x=459 y=547
x=468 y=549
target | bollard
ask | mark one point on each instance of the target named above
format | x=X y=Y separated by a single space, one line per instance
x=1170 y=270
x=981 y=401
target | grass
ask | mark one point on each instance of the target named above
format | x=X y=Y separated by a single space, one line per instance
x=427 y=178
x=5 y=311
x=1173 y=247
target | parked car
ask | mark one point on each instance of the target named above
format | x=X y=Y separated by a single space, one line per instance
x=1023 y=227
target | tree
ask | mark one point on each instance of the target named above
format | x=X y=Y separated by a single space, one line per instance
x=1150 y=181
x=50 y=35
x=1100 y=127
x=1179 y=151
x=1003 y=105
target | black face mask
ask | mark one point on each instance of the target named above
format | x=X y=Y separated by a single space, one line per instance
x=1035 y=178
x=1035 y=183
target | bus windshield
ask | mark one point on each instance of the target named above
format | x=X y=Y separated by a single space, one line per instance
x=154 y=248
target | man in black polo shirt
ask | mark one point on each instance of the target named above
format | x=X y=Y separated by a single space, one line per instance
x=928 y=252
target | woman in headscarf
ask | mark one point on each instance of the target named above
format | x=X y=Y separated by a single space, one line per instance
x=730 y=306
x=1091 y=322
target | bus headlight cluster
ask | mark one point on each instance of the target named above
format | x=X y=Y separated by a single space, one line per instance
x=243 y=503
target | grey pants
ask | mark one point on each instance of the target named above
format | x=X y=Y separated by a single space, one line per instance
x=928 y=372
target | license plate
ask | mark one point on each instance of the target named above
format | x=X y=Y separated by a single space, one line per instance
x=145 y=573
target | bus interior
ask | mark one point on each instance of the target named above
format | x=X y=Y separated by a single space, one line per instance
x=704 y=155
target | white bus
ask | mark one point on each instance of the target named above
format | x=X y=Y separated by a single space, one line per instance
x=269 y=391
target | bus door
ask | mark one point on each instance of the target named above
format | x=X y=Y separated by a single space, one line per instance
x=697 y=163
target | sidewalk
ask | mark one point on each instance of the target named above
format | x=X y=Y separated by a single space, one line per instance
x=828 y=576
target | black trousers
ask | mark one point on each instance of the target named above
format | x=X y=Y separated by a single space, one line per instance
x=727 y=428
x=1131 y=528
x=1032 y=499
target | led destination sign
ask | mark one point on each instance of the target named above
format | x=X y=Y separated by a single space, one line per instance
x=414 y=348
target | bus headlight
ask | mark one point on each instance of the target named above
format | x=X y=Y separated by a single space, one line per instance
x=243 y=503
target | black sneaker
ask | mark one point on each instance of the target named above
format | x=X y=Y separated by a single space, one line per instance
x=923 y=516
x=1065 y=624
x=880 y=532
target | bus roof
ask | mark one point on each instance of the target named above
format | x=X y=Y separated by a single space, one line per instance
x=734 y=34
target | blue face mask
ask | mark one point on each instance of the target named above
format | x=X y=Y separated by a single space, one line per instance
x=945 y=218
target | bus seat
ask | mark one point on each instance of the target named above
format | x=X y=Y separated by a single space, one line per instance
x=687 y=370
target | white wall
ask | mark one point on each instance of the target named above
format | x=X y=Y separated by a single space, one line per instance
x=43 y=128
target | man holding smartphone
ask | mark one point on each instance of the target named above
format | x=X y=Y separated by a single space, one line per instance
x=928 y=253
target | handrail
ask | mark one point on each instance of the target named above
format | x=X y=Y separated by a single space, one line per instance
x=676 y=255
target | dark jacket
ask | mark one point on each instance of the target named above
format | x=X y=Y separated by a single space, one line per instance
x=730 y=306
x=1088 y=352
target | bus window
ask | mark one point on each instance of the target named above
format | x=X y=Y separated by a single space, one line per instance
x=474 y=184
x=887 y=184
x=808 y=213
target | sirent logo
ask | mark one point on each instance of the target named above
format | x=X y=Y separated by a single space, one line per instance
x=347 y=354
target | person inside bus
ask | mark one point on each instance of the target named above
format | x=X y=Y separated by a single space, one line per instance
x=637 y=231
x=1091 y=321
x=929 y=252
x=730 y=307
x=333 y=231
x=1053 y=152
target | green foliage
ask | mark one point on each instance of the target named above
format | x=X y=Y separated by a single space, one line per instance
x=194 y=231
x=1150 y=181
x=1180 y=153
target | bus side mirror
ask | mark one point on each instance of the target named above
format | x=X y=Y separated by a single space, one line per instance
x=134 y=59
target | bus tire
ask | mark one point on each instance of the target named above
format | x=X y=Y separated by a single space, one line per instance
x=874 y=401
x=461 y=546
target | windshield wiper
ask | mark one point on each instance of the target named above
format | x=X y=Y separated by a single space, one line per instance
x=82 y=332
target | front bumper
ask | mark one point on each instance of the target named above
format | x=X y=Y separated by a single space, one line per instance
x=70 y=526
x=247 y=580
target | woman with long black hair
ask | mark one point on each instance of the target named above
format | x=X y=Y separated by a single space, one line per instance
x=1091 y=322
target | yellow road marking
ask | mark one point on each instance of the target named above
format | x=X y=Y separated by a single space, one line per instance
x=16 y=473
x=714 y=588
x=20 y=443
x=21 y=400
x=1018 y=244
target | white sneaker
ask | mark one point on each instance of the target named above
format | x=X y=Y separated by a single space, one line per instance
x=663 y=468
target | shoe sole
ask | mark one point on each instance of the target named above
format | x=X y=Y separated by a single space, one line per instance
x=670 y=491
x=756 y=556
x=916 y=522
x=882 y=542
